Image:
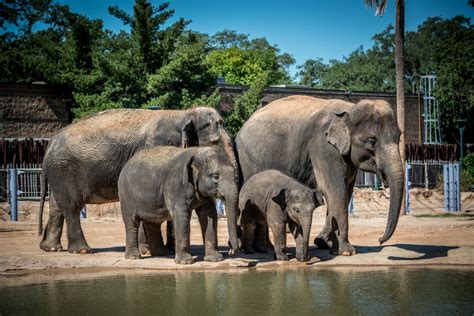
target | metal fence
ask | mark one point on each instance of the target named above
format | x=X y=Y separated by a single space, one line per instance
x=429 y=186
x=422 y=175
x=27 y=182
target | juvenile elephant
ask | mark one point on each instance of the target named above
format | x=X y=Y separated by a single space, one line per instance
x=166 y=183
x=271 y=198
x=84 y=160
x=322 y=143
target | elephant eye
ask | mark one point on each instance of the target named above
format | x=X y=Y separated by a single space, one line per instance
x=215 y=176
x=297 y=210
x=372 y=141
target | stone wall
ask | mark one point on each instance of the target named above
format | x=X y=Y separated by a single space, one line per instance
x=33 y=110
x=413 y=121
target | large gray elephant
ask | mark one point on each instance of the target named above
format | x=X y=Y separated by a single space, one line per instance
x=83 y=162
x=166 y=183
x=323 y=143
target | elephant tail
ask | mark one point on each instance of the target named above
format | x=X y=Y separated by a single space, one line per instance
x=44 y=186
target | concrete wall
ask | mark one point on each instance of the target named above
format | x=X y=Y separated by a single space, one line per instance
x=413 y=122
x=31 y=110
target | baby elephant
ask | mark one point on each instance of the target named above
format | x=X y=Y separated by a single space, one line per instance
x=271 y=198
x=166 y=183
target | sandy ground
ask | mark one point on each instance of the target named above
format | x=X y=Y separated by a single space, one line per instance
x=418 y=241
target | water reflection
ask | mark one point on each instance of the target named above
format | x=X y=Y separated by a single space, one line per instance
x=383 y=292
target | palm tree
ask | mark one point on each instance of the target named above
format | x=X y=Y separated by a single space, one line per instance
x=380 y=5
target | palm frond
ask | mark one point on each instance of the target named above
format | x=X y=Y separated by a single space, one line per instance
x=380 y=5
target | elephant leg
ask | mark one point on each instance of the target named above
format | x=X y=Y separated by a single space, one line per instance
x=181 y=223
x=207 y=215
x=279 y=240
x=75 y=236
x=261 y=238
x=297 y=233
x=131 y=232
x=339 y=217
x=51 y=240
x=142 y=240
x=326 y=236
x=170 y=240
x=155 y=239
x=337 y=190
x=248 y=233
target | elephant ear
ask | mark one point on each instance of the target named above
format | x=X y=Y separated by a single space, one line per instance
x=319 y=198
x=338 y=133
x=190 y=173
x=189 y=137
x=282 y=198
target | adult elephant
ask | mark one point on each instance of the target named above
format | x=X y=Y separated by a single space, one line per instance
x=83 y=163
x=323 y=143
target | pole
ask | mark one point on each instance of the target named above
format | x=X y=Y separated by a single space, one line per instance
x=13 y=188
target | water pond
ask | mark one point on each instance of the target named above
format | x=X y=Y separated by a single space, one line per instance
x=387 y=291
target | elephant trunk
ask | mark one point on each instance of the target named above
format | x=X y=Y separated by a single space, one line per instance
x=232 y=196
x=393 y=170
x=306 y=226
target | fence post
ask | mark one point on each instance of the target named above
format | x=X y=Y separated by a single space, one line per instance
x=457 y=178
x=83 y=213
x=13 y=192
x=407 y=188
x=446 y=187
x=350 y=207
x=452 y=197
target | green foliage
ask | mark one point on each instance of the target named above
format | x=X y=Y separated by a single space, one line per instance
x=155 y=63
x=246 y=104
x=467 y=173
x=370 y=70
x=212 y=100
x=241 y=61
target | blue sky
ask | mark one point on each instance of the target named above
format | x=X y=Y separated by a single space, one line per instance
x=330 y=29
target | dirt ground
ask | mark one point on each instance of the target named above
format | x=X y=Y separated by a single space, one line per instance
x=427 y=237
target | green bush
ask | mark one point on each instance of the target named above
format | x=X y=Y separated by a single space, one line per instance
x=467 y=173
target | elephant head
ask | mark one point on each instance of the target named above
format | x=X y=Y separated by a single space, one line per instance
x=206 y=127
x=299 y=204
x=368 y=135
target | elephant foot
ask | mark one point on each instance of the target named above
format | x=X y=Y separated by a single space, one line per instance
x=280 y=256
x=322 y=243
x=343 y=249
x=79 y=249
x=144 y=249
x=184 y=258
x=50 y=246
x=215 y=256
x=302 y=258
x=132 y=254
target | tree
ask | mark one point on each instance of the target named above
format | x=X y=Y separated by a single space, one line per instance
x=246 y=104
x=241 y=60
x=154 y=45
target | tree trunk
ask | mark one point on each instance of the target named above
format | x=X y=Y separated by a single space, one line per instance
x=400 y=76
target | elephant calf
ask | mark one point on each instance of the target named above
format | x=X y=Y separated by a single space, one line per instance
x=271 y=198
x=166 y=183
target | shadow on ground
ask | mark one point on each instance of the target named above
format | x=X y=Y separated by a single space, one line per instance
x=426 y=251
